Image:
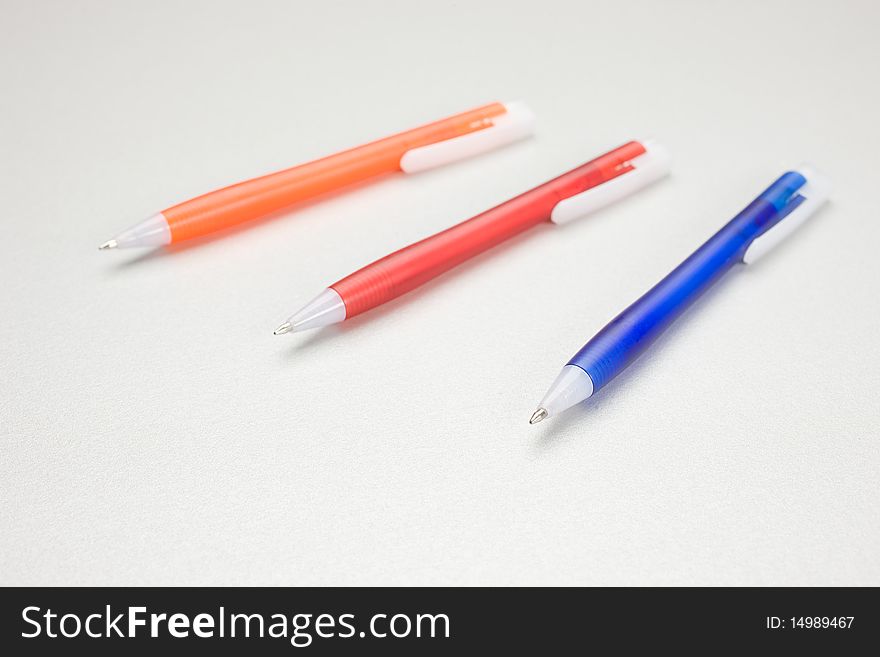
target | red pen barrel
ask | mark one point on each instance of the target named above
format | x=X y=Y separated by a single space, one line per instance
x=418 y=263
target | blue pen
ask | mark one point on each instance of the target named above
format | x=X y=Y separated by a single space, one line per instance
x=764 y=223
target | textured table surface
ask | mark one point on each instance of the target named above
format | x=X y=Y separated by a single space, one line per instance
x=154 y=431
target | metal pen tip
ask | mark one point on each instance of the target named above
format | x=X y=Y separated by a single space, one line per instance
x=538 y=415
x=109 y=244
x=286 y=327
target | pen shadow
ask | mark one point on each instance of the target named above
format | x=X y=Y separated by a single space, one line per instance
x=174 y=250
x=328 y=334
x=626 y=381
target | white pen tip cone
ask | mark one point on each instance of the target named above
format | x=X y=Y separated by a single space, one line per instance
x=538 y=415
x=152 y=231
x=325 y=309
x=572 y=386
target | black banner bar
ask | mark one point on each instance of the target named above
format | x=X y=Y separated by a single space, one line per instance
x=170 y=621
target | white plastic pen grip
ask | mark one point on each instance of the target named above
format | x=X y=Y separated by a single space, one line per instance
x=649 y=167
x=516 y=123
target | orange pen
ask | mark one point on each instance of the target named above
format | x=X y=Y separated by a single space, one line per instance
x=435 y=144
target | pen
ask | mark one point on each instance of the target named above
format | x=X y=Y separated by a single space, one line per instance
x=574 y=194
x=432 y=145
x=773 y=215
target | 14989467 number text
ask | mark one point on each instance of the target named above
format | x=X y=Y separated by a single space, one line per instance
x=810 y=622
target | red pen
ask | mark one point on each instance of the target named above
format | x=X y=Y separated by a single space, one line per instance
x=577 y=193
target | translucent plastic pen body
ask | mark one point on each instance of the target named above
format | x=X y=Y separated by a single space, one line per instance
x=576 y=193
x=435 y=144
x=782 y=206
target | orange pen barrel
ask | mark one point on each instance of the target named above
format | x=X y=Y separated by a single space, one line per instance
x=258 y=197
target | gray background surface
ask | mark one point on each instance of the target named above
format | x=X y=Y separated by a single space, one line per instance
x=154 y=431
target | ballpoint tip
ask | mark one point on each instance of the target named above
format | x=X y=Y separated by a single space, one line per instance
x=109 y=244
x=286 y=327
x=538 y=415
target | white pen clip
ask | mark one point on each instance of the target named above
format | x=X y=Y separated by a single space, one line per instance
x=648 y=167
x=814 y=193
x=518 y=122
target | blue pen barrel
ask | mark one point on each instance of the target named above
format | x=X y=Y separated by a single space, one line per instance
x=636 y=328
